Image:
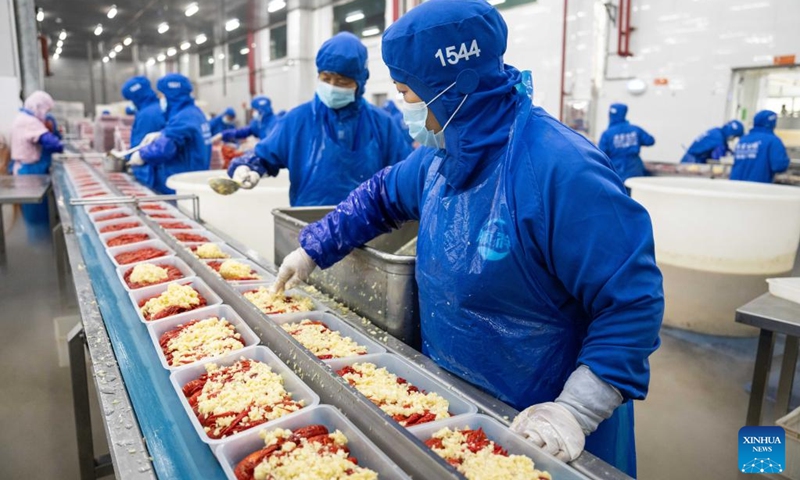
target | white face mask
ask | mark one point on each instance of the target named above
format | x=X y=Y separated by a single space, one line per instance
x=335 y=97
x=415 y=116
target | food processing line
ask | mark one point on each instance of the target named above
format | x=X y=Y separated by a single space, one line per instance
x=150 y=430
x=715 y=170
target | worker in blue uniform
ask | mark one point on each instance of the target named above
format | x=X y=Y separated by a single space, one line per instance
x=334 y=142
x=623 y=141
x=713 y=144
x=760 y=154
x=185 y=142
x=536 y=272
x=223 y=121
x=262 y=123
x=150 y=118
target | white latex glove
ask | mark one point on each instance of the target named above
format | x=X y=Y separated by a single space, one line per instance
x=150 y=138
x=552 y=428
x=136 y=160
x=246 y=177
x=296 y=268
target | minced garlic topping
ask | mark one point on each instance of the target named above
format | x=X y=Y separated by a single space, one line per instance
x=380 y=386
x=183 y=296
x=207 y=338
x=308 y=461
x=484 y=464
x=148 y=273
x=280 y=303
x=258 y=390
x=322 y=341
x=210 y=250
x=232 y=270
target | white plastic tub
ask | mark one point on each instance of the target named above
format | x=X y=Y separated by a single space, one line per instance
x=245 y=215
x=265 y=275
x=415 y=376
x=166 y=224
x=158 y=244
x=786 y=288
x=109 y=236
x=144 y=294
x=361 y=447
x=173 y=261
x=336 y=324
x=247 y=287
x=501 y=435
x=158 y=328
x=222 y=246
x=101 y=225
x=716 y=242
x=291 y=383
x=200 y=231
x=98 y=216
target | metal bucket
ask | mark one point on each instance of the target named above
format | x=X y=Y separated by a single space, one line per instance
x=113 y=164
x=373 y=281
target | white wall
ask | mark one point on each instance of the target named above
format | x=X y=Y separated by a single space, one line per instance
x=9 y=69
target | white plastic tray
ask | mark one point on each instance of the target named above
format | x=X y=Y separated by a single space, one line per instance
x=142 y=294
x=114 y=251
x=336 y=324
x=158 y=328
x=224 y=247
x=246 y=287
x=415 y=376
x=192 y=224
x=100 y=225
x=265 y=275
x=200 y=231
x=361 y=447
x=291 y=382
x=787 y=288
x=174 y=261
x=105 y=237
x=112 y=206
x=97 y=215
x=501 y=435
x=167 y=207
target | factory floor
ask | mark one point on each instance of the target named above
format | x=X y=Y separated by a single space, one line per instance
x=687 y=427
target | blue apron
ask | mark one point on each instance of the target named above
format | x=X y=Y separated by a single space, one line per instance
x=36 y=213
x=494 y=325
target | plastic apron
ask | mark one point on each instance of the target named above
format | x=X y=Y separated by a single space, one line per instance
x=35 y=213
x=484 y=314
x=334 y=171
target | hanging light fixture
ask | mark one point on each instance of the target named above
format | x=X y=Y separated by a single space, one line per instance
x=163 y=27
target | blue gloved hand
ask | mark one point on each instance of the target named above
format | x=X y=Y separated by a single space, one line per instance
x=229 y=135
x=719 y=152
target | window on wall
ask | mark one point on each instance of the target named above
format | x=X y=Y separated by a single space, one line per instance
x=364 y=18
x=207 y=61
x=237 y=54
x=277 y=42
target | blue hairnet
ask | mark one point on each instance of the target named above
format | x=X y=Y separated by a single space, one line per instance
x=229 y=112
x=734 y=128
x=346 y=55
x=138 y=91
x=617 y=113
x=765 y=119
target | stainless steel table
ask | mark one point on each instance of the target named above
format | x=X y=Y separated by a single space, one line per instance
x=21 y=189
x=772 y=315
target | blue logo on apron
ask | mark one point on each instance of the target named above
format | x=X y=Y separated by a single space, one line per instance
x=493 y=241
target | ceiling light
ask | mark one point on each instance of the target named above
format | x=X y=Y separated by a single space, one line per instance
x=60 y=43
x=231 y=24
x=163 y=27
x=112 y=12
x=275 y=5
x=39 y=14
x=118 y=48
x=200 y=39
x=55 y=57
x=98 y=30
x=105 y=59
x=186 y=46
x=192 y=9
x=211 y=60
x=244 y=51
x=368 y=32
x=62 y=35
x=127 y=41
x=151 y=61
x=161 y=57
x=236 y=67
x=354 y=16
x=171 y=52
x=221 y=56
x=496 y=2
x=112 y=54
x=58 y=51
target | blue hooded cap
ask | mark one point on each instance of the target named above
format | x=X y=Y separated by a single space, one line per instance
x=444 y=42
x=177 y=90
x=139 y=91
x=617 y=113
x=229 y=112
x=262 y=105
x=734 y=128
x=765 y=119
x=346 y=55
x=130 y=110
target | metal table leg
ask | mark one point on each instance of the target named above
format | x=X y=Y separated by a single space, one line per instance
x=760 y=375
x=52 y=210
x=90 y=468
x=786 y=381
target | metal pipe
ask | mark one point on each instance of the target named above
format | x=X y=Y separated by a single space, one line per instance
x=45 y=56
x=102 y=74
x=89 y=58
x=563 y=63
x=28 y=46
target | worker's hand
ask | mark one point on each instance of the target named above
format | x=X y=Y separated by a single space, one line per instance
x=150 y=138
x=136 y=159
x=246 y=177
x=552 y=428
x=229 y=135
x=296 y=268
x=719 y=152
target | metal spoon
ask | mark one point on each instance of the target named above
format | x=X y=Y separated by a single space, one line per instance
x=224 y=185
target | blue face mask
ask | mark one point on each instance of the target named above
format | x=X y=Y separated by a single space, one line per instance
x=415 y=116
x=335 y=97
